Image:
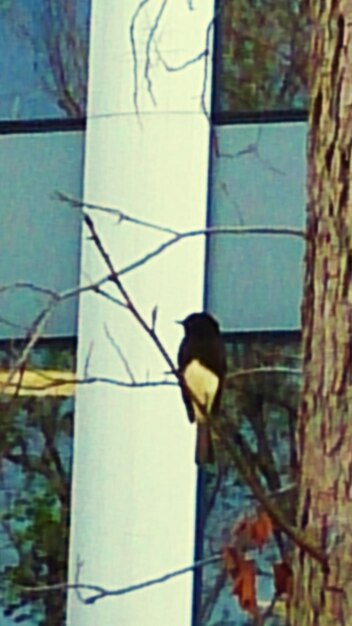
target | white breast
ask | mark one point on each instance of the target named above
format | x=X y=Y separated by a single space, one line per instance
x=203 y=384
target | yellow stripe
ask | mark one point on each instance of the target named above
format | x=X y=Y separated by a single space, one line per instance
x=39 y=383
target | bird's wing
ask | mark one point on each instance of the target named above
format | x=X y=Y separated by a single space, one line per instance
x=214 y=358
x=188 y=404
x=212 y=355
x=183 y=358
x=203 y=367
x=203 y=384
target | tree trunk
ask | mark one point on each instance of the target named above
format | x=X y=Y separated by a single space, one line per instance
x=324 y=597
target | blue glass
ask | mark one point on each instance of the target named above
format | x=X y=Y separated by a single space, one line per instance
x=44 y=56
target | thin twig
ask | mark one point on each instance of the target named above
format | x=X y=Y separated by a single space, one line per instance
x=152 y=33
x=21 y=284
x=51 y=383
x=102 y=592
x=134 y=53
x=115 y=278
x=178 y=68
x=11 y=324
x=88 y=359
x=213 y=231
x=79 y=567
x=121 y=354
x=253 y=149
x=108 y=296
x=122 y=215
x=206 y=66
x=33 y=336
x=278 y=369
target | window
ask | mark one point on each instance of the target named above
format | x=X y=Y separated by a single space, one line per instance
x=254 y=282
x=262 y=56
x=44 y=56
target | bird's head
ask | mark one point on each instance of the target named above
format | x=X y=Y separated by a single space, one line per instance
x=201 y=324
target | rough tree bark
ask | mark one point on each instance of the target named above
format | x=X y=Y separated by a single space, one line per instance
x=323 y=597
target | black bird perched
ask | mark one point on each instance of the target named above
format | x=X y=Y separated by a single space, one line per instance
x=202 y=364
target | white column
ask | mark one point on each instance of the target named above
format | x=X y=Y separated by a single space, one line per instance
x=134 y=478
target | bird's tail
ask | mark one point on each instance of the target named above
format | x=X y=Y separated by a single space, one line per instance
x=204 y=445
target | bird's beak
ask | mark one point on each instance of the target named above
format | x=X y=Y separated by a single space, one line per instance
x=179 y=322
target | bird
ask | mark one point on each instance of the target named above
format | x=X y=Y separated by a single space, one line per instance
x=202 y=368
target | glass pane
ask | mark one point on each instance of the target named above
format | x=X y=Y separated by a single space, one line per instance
x=262 y=56
x=36 y=431
x=259 y=409
x=254 y=282
x=36 y=232
x=44 y=56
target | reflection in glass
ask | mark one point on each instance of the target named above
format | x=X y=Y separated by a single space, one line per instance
x=262 y=55
x=259 y=414
x=44 y=54
x=36 y=431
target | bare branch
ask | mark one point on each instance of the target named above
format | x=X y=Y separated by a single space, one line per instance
x=37 y=328
x=292 y=371
x=213 y=230
x=107 y=295
x=203 y=54
x=121 y=354
x=57 y=296
x=182 y=66
x=79 y=567
x=102 y=592
x=121 y=215
x=134 y=53
x=253 y=149
x=56 y=381
x=45 y=380
x=35 y=332
x=279 y=519
x=210 y=599
x=11 y=324
x=30 y=286
x=154 y=317
x=152 y=33
x=52 y=380
x=33 y=336
x=115 y=278
x=206 y=66
x=88 y=358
